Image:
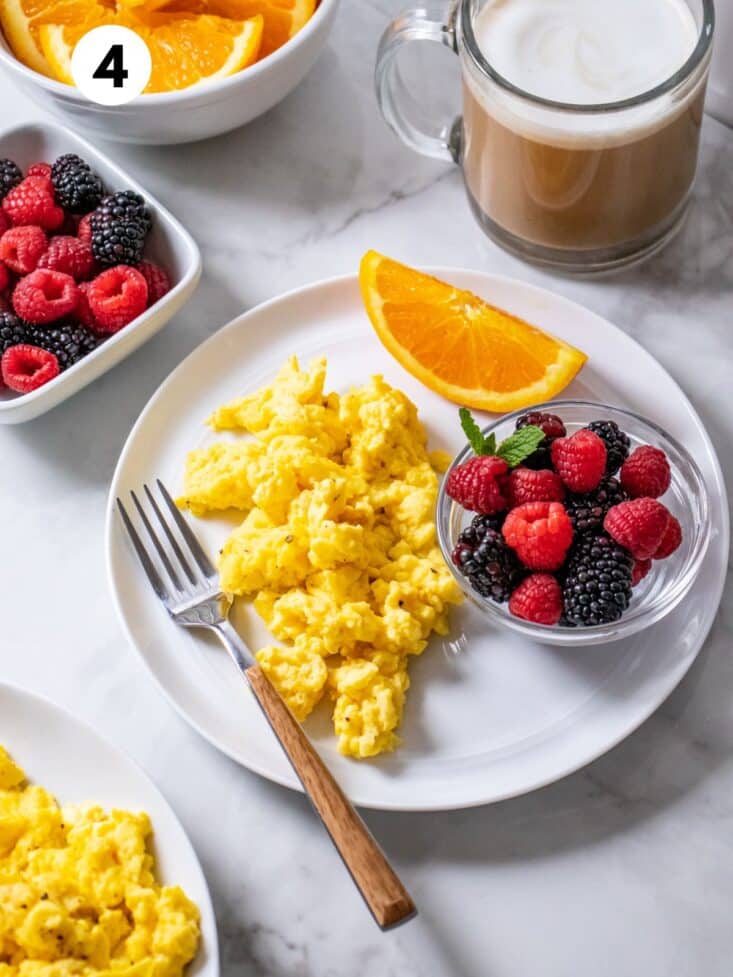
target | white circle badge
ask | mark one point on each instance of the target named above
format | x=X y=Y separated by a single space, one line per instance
x=111 y=65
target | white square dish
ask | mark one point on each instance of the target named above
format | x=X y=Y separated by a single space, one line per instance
x=169 y=245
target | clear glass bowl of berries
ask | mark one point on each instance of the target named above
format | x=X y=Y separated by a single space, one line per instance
x=573 y=522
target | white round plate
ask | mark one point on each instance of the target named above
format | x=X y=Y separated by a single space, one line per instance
x=67 y=757
x=489 y=715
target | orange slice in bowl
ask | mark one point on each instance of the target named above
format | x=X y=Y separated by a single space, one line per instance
x=21 y=21
x=185 y=50
x=283 y=18
x=460 y=346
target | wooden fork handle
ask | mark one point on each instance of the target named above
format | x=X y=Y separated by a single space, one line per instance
x=384 y=894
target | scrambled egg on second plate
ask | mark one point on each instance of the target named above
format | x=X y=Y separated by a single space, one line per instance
x=337 y=546
x=78 y=897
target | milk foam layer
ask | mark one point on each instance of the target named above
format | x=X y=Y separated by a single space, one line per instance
x=586 y=52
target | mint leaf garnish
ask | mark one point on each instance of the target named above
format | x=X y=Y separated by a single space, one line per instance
x=520 y=445
x=471 y=430
x=513 y=449
x=480 y=444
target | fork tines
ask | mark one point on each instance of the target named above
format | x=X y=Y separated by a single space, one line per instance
x=184 y=555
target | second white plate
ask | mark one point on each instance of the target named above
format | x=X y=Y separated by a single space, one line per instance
x=489 y=714
x=69 y=759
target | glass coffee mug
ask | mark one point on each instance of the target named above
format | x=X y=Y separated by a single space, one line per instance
x=579 y=188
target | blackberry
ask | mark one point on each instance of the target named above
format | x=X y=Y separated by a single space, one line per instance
x=474 y=533
x=482 y=555
x=617 y=443
x=118 y=243
x=587 y=511
x=13 y=331
x=68 y=341
x=551 y=424
x=597 y=582
x=553 y=427
x=119 y=227
x=124 y=206
x=10 y=176
x=77 y=188
x=541 y=458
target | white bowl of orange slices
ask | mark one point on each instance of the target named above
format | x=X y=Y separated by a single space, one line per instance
x=217 y=64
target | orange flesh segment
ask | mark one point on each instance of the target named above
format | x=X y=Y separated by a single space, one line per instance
x=185 y=55
x=282 y=18
x=459 y=345
x=185 y=49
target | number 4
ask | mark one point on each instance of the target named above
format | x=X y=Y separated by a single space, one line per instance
x=112 y=66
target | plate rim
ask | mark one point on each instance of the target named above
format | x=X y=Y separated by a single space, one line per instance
x=85 y=728
x=442 y=271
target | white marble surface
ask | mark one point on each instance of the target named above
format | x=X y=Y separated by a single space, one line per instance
x=621 y=870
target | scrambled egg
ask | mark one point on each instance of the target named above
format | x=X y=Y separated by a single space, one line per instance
x=78 y=897
x=337 y=545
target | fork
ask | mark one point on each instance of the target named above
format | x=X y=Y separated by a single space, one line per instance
x=190 y=592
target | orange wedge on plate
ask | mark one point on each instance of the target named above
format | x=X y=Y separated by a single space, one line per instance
x=460 y=346
x=185 y=49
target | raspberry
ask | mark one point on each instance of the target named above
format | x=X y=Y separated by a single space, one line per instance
x=31 y=202
x=21 y=248
x=670 y=541
x=597 y=586
x=70 y=255
x=10 y=176
x=540 y=533
x=4 y=222
x=528 y=485
x=616 y=442
x=639 y=525
x=116 y=297
x=84 y=230
x=537 y=599
x=478 y=484
x=482 y=555
x=639 y=571
x=580 y=460
x=40 y=169
x=4 y=277
x=83 y=311
x=44 y=296
x=553 y=427
x=157 y=278
x=25 y=368
x=646 y=473
x=41 y=182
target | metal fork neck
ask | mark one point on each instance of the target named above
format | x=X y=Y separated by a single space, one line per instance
x=238 y=650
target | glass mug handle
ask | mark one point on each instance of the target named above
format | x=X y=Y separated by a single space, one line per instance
x=392 y=93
